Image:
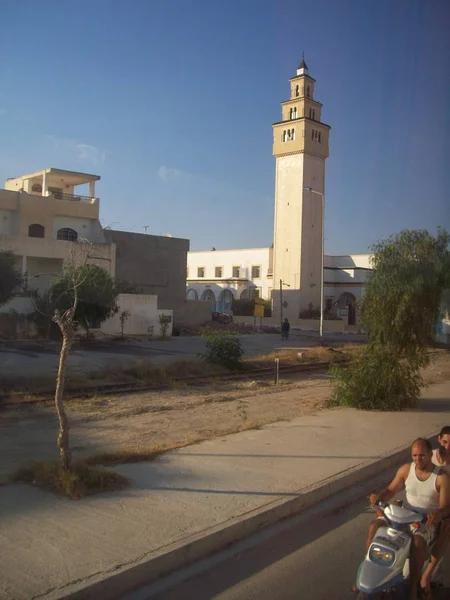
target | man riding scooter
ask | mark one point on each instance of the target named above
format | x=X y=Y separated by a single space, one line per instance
x=428 y=492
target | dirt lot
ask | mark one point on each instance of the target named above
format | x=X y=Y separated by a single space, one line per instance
x=166 y=419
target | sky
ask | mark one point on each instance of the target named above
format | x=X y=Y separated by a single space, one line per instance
x=172 y=102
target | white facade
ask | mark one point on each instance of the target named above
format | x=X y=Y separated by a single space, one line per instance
x=221 y=275
x=142 y=318
x=344 y=278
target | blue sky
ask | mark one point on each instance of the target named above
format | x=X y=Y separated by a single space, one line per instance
x=172 y=102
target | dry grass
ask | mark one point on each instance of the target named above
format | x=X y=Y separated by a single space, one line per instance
x=146 y=372
x=307 y=356
x=80 y=481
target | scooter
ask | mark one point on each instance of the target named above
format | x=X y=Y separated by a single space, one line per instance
x=385 y=568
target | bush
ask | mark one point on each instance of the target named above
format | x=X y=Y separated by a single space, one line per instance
x=222 y=348
x=378 y=380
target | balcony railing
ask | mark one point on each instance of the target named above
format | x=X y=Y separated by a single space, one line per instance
x=72 y=197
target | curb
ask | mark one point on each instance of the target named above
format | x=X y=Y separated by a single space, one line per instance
x=125 y=579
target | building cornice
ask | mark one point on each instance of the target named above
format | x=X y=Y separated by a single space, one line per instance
x=301 y=119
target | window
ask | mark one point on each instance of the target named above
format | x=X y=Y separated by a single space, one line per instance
x=310 y=113
x=57 y=192
x=320 y=138
x=200 y=271
x=284 y=135
x=67 y=234
x=307 y=91
x=218 y=271
x=292 y=134
x=312 y=134
x=256 y=272
x=36 y=231
x=314 y=114
x=236 y=271
x=293 y=113
x=255 y=292
x=297 y=90
x=36 y=188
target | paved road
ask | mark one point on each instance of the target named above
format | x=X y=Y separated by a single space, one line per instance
x=34 y=359
x=311 y=559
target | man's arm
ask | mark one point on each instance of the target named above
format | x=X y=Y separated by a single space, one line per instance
x=443 y=485
x=395 y=486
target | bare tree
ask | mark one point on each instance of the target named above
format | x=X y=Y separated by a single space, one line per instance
x=79 y=256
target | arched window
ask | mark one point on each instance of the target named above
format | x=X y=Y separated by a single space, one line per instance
x=284 y=135
x=208 y=294
x=36 y=188
x=297 y=90
x=67 y=234
x=192 y=295
x=36 y=230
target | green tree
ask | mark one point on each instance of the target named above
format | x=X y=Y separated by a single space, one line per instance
x=399 y=310
x=96 y=293
x=403 y=297
x=9 y=276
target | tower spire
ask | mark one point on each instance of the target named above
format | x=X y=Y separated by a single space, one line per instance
x=303 y=67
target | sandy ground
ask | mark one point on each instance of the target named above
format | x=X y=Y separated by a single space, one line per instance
x=162 y=419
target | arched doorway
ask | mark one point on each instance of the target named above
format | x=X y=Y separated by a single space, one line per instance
x=225 y=301
x=209 y=295
x=191 y=295
x=347 y=301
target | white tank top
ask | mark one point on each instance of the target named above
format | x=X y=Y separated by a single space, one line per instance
x=435 y=459
x=422 y=496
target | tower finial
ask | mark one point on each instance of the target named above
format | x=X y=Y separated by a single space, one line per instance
x=303 y=67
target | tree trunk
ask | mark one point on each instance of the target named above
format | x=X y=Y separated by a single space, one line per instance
x=66 y=326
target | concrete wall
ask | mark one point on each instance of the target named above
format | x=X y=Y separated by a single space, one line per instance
x=304 y=324
x=155 y=264
x=143 y=318
x=192 y=313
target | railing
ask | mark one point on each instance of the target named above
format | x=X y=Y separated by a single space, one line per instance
x=72 y=197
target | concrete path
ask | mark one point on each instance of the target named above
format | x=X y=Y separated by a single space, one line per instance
x=51 y=547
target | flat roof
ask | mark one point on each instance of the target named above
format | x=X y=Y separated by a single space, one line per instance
x=74 y=177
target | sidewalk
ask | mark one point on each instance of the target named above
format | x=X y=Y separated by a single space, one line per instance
x=193 y=500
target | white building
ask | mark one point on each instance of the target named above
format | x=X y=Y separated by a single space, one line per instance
x=221 y=275
x=300 y=148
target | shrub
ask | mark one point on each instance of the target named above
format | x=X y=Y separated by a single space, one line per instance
x=378 y=380
x=222 y=348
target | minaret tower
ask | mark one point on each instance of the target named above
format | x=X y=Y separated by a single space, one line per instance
x=300 y=147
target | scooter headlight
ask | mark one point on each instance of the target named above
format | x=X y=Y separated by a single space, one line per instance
x=382 y=556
